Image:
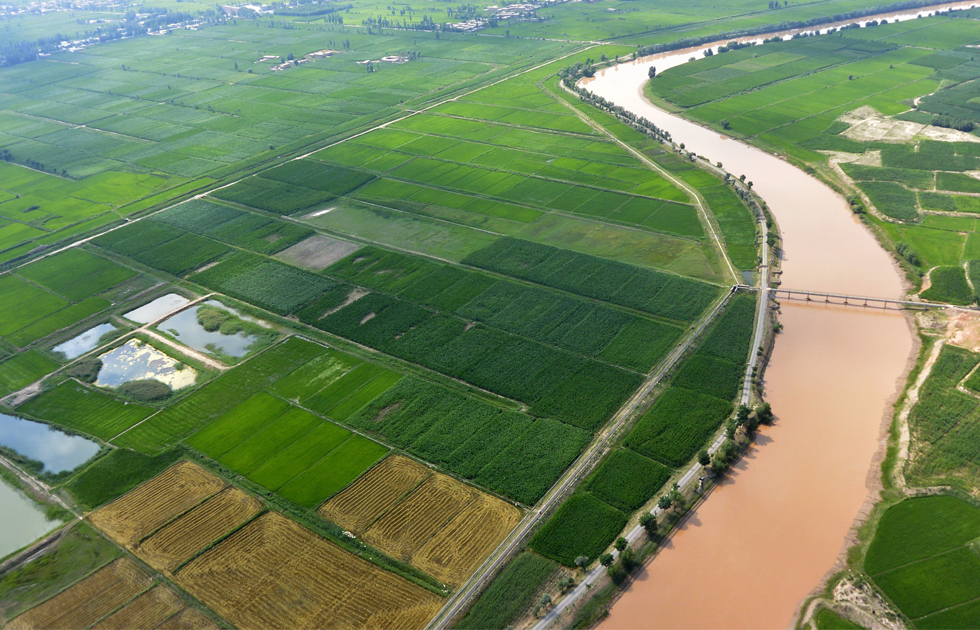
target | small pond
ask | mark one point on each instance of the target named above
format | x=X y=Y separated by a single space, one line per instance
x=157 y=308
x=185 y=327
x=138 y=361
x=22 y=521
x=77 y=346
x=56 y=450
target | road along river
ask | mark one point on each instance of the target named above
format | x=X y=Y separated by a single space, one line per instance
x=776 y=526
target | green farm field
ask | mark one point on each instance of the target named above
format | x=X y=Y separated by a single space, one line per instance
x=462 y=263
x=922 y=558
x=249 y=437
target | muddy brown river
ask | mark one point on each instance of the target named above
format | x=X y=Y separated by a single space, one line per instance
x=764 y=539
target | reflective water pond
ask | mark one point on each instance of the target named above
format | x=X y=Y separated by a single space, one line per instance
x=22 y=520
x=58 y=451
x=186 y=327
x=157 y=308
x=138 y=361
x=77 y=346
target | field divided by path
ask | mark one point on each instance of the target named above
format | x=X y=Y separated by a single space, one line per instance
x=50 y=295
x=924 y=558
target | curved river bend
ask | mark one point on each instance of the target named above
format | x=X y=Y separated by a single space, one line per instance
x=769 y=533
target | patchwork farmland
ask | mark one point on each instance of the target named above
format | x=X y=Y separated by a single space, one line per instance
x=473 y=296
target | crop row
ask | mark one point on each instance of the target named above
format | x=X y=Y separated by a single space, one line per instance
x=505 y=451
x=567 y=322
x=544 y=377
x=651 y=291
x=242 y=229
x=700 y=396
x=287 y=449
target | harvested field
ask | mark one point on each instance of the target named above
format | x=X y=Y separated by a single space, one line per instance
x=457 y=549
x=188 y=619
x=274 y=573
x=318 y=252
x=374 y=493
x=146 y=611
x=407 y=526
x=89 y=600
x=147 y=508
x=204 y=524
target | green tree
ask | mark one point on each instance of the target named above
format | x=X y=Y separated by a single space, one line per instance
x=582 y=562
x=704 y=458
x=606 y=559
x=621 y=543
x=730 y=428
x=764 y=413
x=649 y=524
x=628 y=559
x=664 y=502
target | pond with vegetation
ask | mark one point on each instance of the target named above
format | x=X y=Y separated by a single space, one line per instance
x=219 y=330
x=139 y=361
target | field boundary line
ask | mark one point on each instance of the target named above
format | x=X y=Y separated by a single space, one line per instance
x=411 y=113
x=570 y=478
x=663 y=173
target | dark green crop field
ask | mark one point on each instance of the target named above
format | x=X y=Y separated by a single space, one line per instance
x=922 y=559
x=583 y=526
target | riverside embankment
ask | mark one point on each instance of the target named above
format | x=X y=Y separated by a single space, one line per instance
x=765 y=538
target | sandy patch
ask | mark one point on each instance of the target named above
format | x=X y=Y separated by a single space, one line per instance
x=317 y=252
x=868 y=158
x=868 y=124
x=963 y=330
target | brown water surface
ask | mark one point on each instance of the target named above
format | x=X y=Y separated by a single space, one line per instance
x=763 y=540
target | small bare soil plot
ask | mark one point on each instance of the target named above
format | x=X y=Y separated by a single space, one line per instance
x=138 y=514
x=436 y=523
x=204 y=524
x=86 y=602
x=274 y=573
x=317 y=252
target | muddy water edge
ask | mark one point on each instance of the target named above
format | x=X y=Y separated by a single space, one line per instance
x=765 y=538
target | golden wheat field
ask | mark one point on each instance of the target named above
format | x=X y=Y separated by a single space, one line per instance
x=151 y=505
x=145 y=612
x=188 y=619
x=374 y=493
x=195 y=530
x=456 y=550
x=275 y=573
x=406 y=527
x=88 y=600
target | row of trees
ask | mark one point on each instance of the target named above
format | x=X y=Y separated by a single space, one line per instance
x=570 y=76
x=689 y=42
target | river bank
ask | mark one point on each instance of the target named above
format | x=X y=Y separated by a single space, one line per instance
x=781 y=520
